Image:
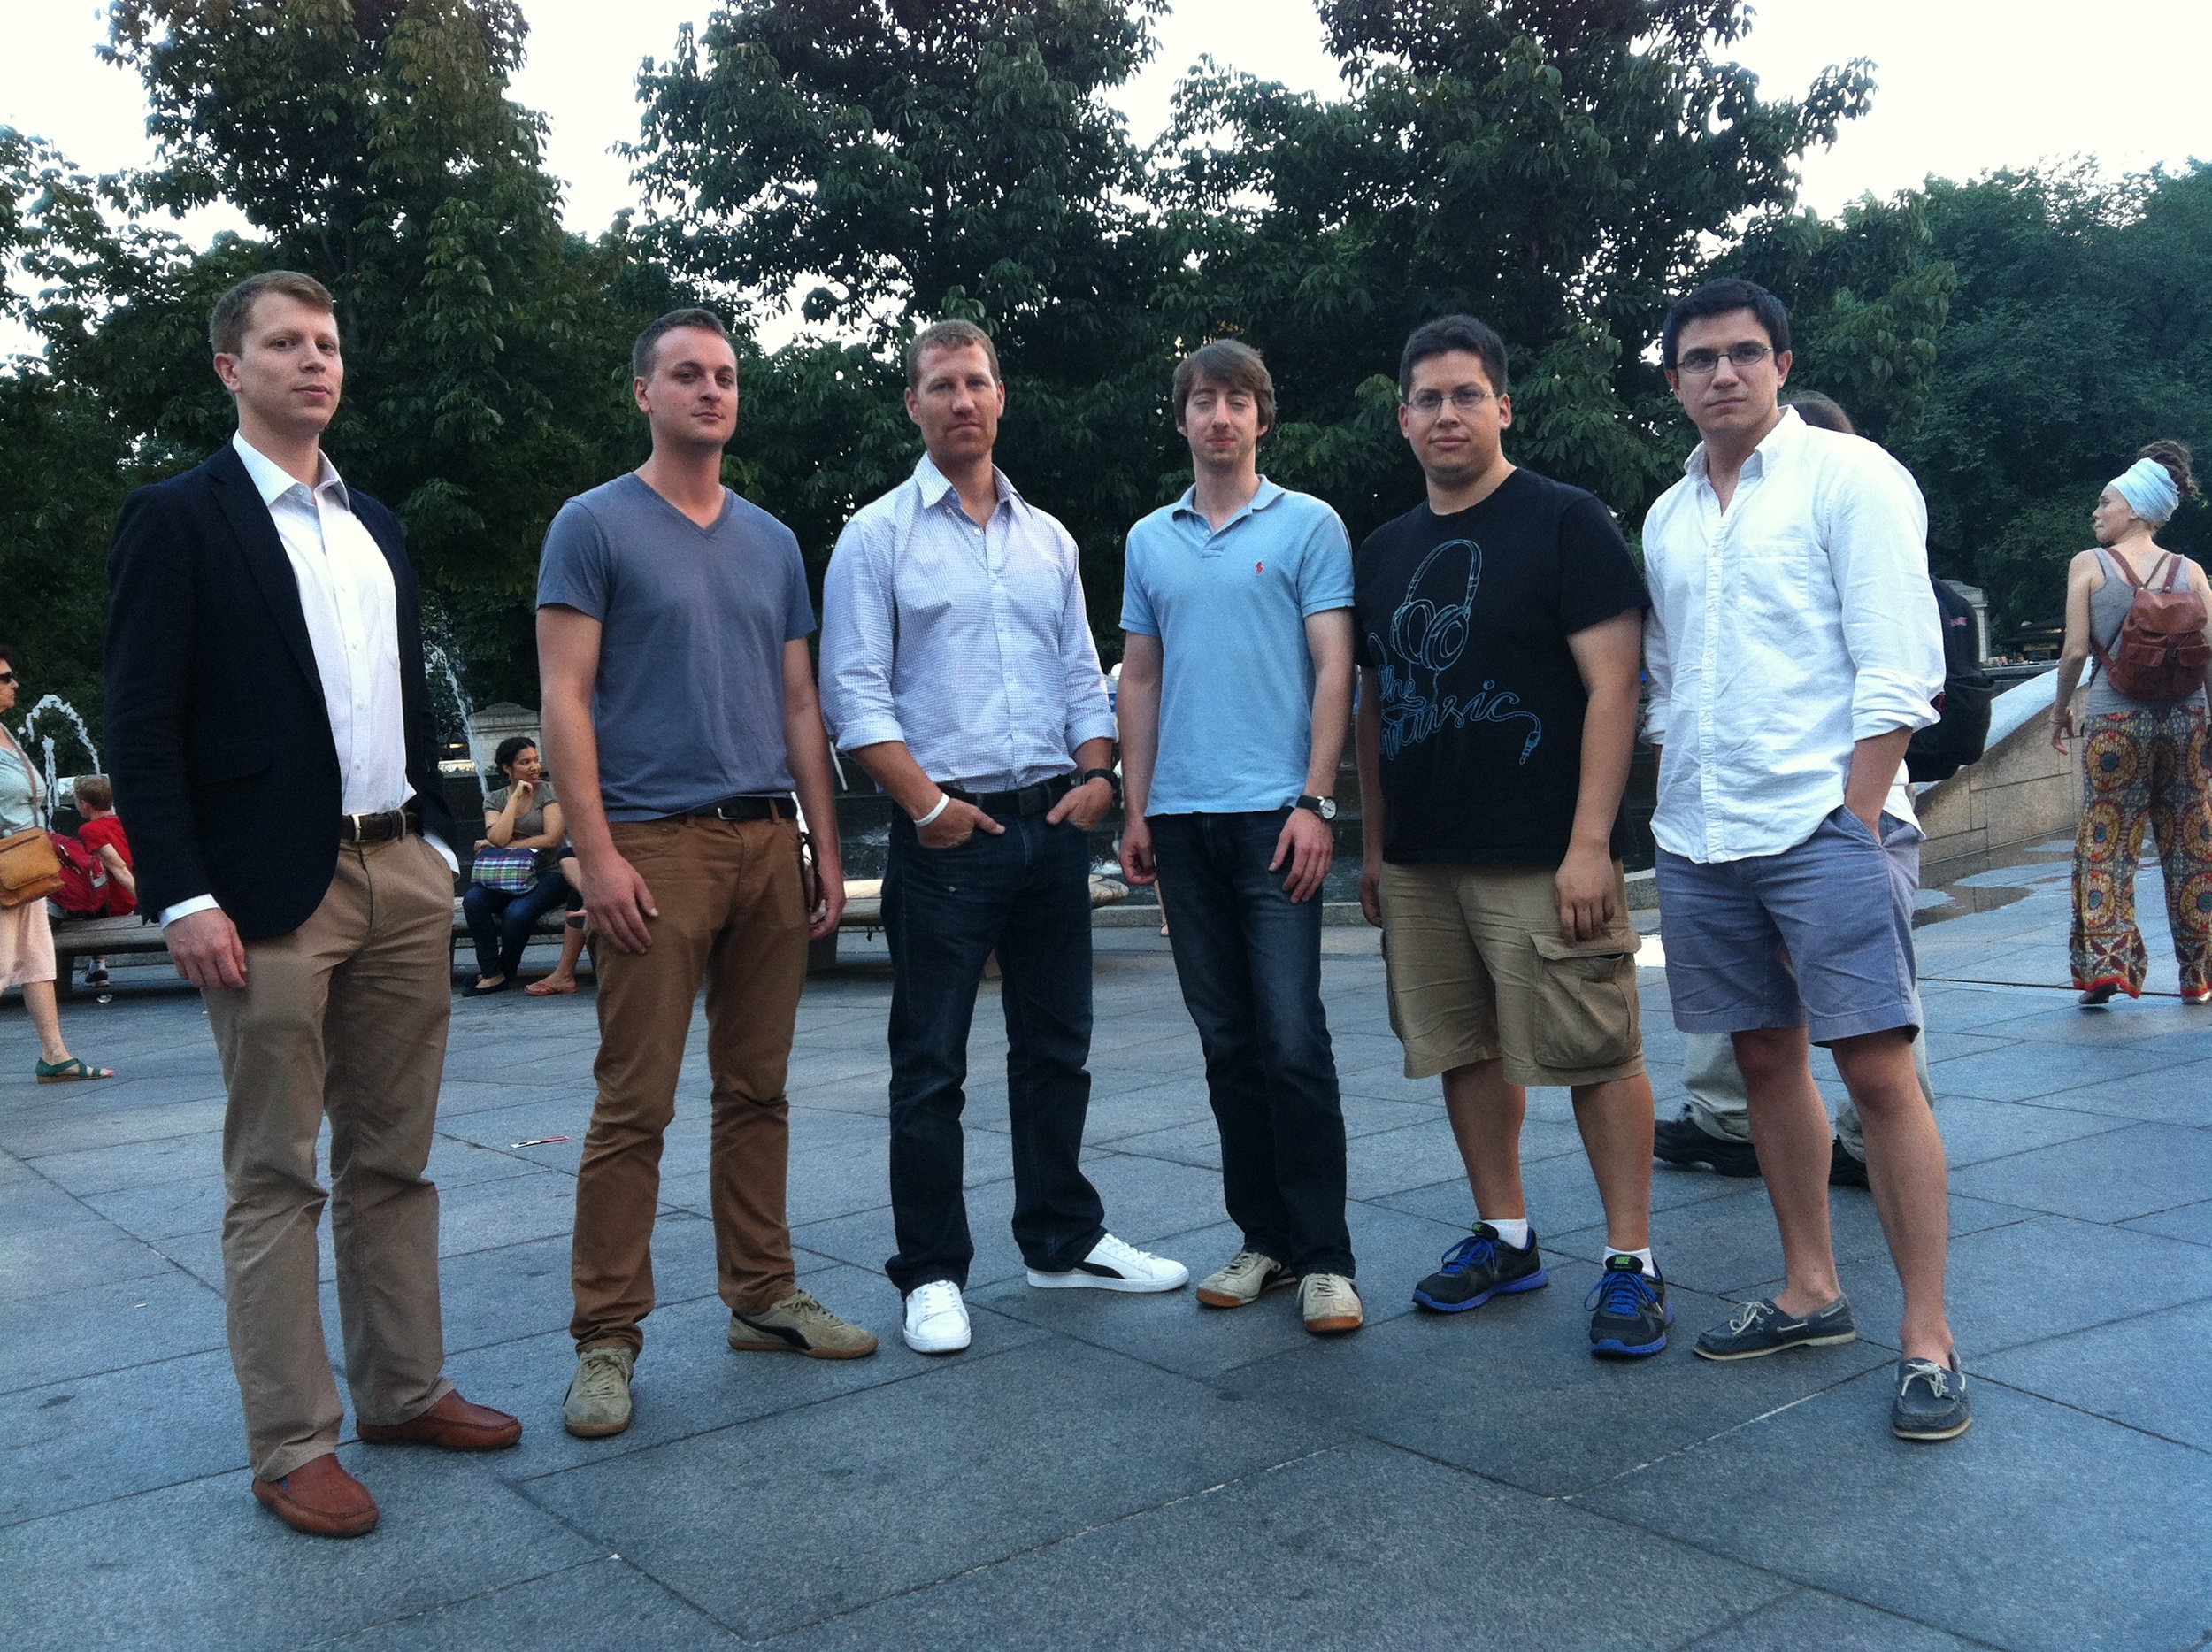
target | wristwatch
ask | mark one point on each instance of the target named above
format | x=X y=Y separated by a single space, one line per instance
x=1325 y=807
x=1113 y=785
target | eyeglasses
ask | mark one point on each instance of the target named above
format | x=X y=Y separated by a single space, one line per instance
x=1698 y=362
x=7 y=676
x=1466 y=399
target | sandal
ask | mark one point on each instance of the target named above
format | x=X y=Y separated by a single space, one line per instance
x=548 y=987
x=70 y=1071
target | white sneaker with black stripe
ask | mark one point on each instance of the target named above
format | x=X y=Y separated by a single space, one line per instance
x=1113 y=1265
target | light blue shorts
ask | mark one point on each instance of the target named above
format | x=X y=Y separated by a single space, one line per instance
x=1819 y=937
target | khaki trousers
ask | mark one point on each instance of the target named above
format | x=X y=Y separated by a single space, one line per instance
x=345 y=1017
x=732 y=915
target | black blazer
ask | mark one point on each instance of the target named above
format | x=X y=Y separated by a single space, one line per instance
x=218 y=743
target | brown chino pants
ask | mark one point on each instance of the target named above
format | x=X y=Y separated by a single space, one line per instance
x=732 y=915
x=346 y=1017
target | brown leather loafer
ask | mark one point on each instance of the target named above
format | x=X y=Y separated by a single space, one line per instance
x=452 y=1423
x=320 y=1499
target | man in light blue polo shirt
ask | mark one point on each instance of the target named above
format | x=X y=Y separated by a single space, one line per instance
x=1236 y=689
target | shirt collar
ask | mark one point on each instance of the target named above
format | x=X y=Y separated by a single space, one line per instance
x=935 y=486
x=272 y=481
x=1268 y=493
x=1771 y=449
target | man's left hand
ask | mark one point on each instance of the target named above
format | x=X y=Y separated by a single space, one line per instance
x=1309 y=845
x=823 y=887
x=1587 y=909
x=1084 y=806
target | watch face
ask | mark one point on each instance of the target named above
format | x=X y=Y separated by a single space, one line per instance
x=1328 y=808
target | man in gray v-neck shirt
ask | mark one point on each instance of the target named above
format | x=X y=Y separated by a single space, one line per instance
x=680 y=716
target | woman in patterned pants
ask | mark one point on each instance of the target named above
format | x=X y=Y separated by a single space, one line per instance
x=2143 y=761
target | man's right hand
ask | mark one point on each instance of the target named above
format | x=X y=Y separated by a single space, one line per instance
x=207 y=951
x=1136 y=863
x=954 y=826
x=616 y=902
x=1370 y=890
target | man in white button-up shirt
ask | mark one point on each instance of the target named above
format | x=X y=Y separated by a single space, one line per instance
x=269 y=731
x=957 y=667
x=1794 y=647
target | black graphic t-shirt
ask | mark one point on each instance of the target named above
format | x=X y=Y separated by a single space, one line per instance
x=1464 y=620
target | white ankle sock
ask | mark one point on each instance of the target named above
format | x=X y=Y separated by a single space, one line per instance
x=1643 y=1256
x=1512 y=1230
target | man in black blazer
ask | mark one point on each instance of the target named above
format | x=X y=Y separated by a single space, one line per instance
x=269 y=731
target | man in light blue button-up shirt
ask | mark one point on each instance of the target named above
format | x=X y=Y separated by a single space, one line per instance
x=957 y=667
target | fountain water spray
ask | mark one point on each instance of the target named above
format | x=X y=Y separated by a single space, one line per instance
x=55 y=707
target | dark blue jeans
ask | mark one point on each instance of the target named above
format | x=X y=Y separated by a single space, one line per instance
x=1025 y=896
x=1249 y=960
x=500 y=921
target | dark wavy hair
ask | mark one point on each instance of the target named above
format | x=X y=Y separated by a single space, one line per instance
x=510 y=748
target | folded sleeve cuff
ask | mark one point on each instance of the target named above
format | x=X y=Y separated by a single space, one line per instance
x=1881 y=706
x=185 y=909
x=1097 y=725
x=1656 y=723
x=869 y=729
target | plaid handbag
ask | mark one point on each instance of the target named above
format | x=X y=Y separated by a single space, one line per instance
x=509 y=870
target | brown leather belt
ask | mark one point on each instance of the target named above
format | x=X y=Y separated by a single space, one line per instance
x=379 y=828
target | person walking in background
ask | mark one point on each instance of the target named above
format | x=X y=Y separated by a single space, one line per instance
x=1715 y=1129
x=521 y=818
x=2143 y=733
x=958 y=667
x=681 y=713
x=1793 y=647
x=26 y=934
x=269 y=728
x=1236 y=687
x=1499 y=623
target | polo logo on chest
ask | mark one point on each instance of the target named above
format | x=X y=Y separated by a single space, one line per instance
x=1259 y=567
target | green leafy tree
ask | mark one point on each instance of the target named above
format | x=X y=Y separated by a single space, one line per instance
x=2080 y=329
x=890 y=162
x=373 y=144
x=1556 y=166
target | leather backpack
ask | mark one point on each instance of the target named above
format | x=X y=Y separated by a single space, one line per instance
x=2161 y=653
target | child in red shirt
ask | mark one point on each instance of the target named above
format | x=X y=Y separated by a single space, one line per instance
x=101 y=833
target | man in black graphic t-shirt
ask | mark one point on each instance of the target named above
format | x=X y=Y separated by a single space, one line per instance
x=1500 y=629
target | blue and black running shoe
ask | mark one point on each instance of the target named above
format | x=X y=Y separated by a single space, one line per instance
x=1481 y=1266
x=1631 y=1315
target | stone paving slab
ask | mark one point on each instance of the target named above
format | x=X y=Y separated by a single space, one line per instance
x=1097 y=1466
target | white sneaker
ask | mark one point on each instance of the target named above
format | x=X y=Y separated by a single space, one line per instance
x=936 y=1318
x=1113 y=1265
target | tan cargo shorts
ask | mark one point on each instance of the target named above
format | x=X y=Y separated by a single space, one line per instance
x=1477 y=972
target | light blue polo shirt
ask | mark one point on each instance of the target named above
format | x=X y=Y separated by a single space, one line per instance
x=1230 y=608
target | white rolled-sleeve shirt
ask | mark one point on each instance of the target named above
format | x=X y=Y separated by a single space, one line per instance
x=351 y=608
x=970 y=644
x=1782 y=631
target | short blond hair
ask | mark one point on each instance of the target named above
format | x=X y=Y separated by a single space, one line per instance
x=227 y=322
x=949 y=335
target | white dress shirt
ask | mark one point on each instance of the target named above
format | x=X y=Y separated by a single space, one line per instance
x=970 y=644
x=351 y=607
x=1782 y=631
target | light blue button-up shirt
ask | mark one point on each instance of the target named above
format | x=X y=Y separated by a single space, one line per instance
x=970 y=644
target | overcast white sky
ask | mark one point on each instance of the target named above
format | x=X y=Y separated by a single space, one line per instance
x=1966 y=85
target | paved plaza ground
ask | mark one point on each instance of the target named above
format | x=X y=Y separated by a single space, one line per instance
x=1135 y=1471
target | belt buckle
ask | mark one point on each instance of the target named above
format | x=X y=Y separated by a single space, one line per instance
x=355 y=821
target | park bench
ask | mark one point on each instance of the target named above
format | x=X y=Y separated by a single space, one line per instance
x=126 y=937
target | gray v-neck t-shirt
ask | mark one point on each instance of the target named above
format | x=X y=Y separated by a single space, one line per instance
x=688 y=703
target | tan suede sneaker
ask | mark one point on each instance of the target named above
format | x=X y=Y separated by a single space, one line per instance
x=1329 y=1304
x=598 y=1401
x=1248 y=1276
x=799 y=1325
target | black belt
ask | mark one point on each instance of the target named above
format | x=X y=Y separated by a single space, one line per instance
x=377 y=829
x=1030 y=800
x=741 y=809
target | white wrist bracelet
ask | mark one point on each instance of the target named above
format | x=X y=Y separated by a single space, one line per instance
x=942 y=799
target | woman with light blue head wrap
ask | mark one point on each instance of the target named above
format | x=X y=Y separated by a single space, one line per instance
x=2143 y=761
